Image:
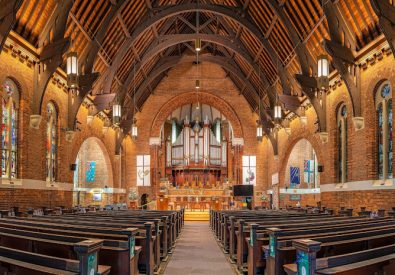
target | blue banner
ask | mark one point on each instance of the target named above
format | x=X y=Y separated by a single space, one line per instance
x=295 y=176
x=90 y=171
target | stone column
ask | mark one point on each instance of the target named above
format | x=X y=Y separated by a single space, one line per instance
x=154 y=143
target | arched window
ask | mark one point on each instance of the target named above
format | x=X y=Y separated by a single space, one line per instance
x=384 y=130
x=342 y=143
x=52 y=141
x=9 y=129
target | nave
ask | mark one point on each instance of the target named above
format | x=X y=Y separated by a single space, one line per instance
x=197 y=136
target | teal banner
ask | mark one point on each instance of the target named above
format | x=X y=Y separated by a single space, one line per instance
x=272 y=246
x=302 y=261
x=132 y=244
x=92 y=264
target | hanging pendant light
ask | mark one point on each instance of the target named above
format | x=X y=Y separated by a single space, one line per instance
x=134 y=129
x=323 y=72
x=197 y=84
x=277 y=112
x=198 y=44
x=116 y=112
x=259 y=132
x=72 y=70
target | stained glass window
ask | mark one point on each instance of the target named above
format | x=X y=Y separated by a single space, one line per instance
x=9 y=129
x=384 y=131
x=51 y=146
x=342 y=143
x=389 y=139
x=380 y=142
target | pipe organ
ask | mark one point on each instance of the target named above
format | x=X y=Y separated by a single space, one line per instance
x=197 y=153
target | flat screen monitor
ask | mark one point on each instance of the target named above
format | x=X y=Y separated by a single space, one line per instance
x=97 y=197
x=243 y=190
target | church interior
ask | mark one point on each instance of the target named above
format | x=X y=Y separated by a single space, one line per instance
x=185 y=137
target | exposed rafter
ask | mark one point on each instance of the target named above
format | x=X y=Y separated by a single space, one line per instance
x=386 y=13
x=165 y=12
x=170 y=62
x=343 y=57
x=51 y=56
x=306 y=63
x=8 y=11
x=89 y=77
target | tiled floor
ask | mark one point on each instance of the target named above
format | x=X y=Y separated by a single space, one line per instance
x=197 y=252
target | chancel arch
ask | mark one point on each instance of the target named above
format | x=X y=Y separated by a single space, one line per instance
x=204 y=98
x=93 y=175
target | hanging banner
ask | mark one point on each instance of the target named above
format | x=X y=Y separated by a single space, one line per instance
x=308 y=171
x=294 y=176
x=90 y=171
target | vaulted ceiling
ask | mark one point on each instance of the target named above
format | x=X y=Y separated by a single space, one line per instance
x=143 y=39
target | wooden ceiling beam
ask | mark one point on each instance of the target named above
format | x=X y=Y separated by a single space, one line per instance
x=386 y=14
x=169 y=62
x=93 y=50
x=8 y=11
x=342 y=56
x=165 y=12
x=51 y=55
x=305 y=61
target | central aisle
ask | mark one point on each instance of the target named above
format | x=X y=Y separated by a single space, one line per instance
x=197 y=252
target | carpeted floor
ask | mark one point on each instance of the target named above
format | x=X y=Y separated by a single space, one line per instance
x=197 y=252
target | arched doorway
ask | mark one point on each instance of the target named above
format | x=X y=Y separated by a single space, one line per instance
x=301 y=179
x=93 y=177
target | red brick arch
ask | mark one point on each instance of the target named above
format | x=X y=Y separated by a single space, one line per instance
x=295 y=138
x=204 y=98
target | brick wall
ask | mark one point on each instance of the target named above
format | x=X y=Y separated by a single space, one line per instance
x=362 y=153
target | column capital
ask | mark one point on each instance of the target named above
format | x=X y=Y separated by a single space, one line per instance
x=154 y=141
x=237 y=141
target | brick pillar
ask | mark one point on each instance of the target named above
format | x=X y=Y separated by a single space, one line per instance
x=155 y=143
x=237 y=144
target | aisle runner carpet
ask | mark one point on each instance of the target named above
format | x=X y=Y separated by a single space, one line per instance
x=197 y=252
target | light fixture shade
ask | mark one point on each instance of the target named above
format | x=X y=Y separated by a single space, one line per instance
x=197 y=84
x=323 y=72
x=198 y=44
x=277 y=112
x=116 y=113
x=259 y=132
x=134 y=130
x=323 y=66
x=72 y=69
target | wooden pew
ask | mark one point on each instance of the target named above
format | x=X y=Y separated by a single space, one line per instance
x=19 y=262
x=107 y=256
x=380 y=260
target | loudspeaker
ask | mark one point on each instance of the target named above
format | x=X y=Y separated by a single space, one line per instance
x=73 y=167
x=320 y=168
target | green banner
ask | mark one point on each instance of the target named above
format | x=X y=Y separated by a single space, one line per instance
x=92 y=264
x=272 y=246
x=132 y=244
x=302 y=261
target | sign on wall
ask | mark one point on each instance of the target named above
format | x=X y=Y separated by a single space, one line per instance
x=90 y=171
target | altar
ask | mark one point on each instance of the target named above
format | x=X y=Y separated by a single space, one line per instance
x=194 y=199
